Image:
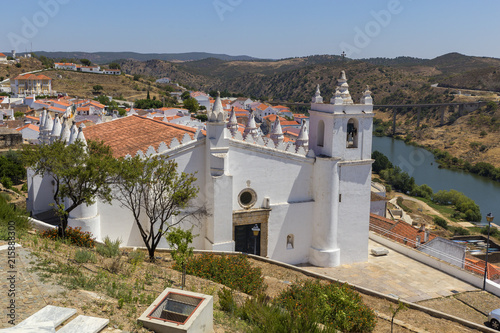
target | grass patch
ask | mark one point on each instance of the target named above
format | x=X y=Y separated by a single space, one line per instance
x=447 y=210
x=110 y=248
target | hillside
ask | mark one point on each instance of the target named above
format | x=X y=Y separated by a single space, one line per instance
x=121 y=87
x=107 y=57
x=26 y=65
x=293 y=79
x=473 y=137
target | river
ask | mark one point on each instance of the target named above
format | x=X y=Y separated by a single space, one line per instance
x=421 y=165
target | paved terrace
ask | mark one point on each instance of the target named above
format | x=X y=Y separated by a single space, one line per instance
x=397 y=275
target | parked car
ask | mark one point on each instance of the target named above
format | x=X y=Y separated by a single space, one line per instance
x=494 y=319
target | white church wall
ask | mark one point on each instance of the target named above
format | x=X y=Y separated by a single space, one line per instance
x=354 y=211
x=290 y=220
x=118 y=222
x=41 y=193
x=271 y=175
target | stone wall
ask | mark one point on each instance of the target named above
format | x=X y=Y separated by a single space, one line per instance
x=10 y=138
x=254 y=216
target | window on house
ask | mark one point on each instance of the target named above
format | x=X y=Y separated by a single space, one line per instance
x=321 y=133
x=352 y=133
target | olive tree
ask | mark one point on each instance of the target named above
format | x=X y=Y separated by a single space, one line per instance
x=151 y=188
x=81 y=172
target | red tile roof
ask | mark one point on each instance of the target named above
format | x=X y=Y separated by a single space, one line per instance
x=130 y=134
x=2 y=55
x=32 y=77
x=477 y=266
x=272 y=118
x=399 y=231
x=289 y=123
x=30 y=126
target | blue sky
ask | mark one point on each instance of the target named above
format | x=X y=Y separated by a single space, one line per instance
x=259 y=28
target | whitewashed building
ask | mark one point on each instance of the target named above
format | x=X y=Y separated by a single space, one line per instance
x=309 y=200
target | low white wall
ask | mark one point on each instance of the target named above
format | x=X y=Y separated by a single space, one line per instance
x=437 y=264
x=41 y=226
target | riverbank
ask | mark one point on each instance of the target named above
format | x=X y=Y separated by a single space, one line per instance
x=421 y=164
x=472 y=138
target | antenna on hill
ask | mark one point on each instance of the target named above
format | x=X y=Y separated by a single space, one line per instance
x=343 y=55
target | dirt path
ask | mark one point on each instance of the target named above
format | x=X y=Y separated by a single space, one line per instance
x=427 y=209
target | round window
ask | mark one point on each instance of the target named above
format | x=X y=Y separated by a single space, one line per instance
x=247 y=198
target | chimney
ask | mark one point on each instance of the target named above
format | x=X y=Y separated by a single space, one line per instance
x=418 y=241
x=426 y=236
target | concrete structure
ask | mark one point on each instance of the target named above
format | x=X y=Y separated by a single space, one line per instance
x=180 y=311
x=310 y=199
x=68 y=66
x=112 y=71
x=445 y=250
x=10 y=138
x=163 y=80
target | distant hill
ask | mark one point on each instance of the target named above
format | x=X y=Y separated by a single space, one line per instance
x=107 y=57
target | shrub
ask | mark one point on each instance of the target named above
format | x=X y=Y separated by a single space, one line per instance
x=233 y=271
x=12 y=218
x=333 y=305
x=136 y=257
x=83 y=256
x=441 y=222
x=423 y=191
x=494 y=232
x=226 y=301
x=74 y=235
x=110 y=248
x=459 y=231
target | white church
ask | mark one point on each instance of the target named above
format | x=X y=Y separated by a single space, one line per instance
x=295 y=202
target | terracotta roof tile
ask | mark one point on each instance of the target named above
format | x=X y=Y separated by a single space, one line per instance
x=130 y=134
x=30 y=126
x=398 y=231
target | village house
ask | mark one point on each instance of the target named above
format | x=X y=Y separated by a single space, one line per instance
x=30 y=132
x=31 y=84
x=307 y=201
x=3 y=58
x=202 y=98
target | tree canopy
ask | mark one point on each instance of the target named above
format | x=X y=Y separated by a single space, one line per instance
x=191 y=104
x=86 y=62
x=153 y=188
x=148 y=104
x=81 y=172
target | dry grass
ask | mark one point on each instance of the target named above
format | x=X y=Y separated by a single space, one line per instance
x=146 y=281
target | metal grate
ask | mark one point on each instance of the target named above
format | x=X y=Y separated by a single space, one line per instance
x=176 y=308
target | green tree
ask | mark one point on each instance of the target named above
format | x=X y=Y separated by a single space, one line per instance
x=381 y=162
x=401 y=307
x=85 y=62
x=12 y=167
x=18 y=114
x=185 y=95
x=114 y=65
x=81 y=173
x=147 y=104
x=179 y=241
x=191 y=104
x=97 y=88
x=153 y=188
